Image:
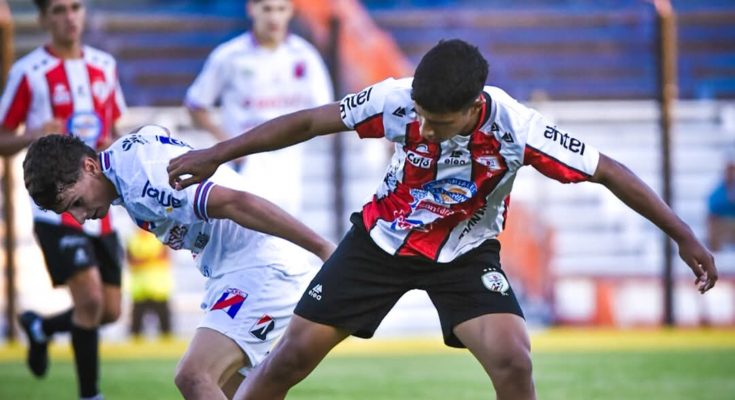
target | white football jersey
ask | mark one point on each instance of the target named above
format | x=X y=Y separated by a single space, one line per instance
x=136 y=165
x=255 y=84
x=440 y=200
x=83 y=93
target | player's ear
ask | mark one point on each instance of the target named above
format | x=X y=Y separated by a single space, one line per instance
x=91 y=165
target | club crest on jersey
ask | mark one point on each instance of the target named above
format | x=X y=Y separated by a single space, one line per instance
x=230 y=301
x=495 y=281
x=261 y=328
x=61 y=95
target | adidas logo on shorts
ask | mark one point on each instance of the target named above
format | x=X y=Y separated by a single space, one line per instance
x=316 y=292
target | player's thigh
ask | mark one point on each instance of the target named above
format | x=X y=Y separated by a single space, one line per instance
x=496 y=339
x=212 y=354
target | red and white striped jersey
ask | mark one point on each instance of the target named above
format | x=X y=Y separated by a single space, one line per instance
x=440 y=200
x=84 y=93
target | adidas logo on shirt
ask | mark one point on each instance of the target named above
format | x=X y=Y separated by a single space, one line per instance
x=316 y=292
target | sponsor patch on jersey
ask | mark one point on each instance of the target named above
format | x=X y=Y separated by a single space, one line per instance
x=418 y=160
x=176 y=236
x=490 y=162
x=172 y=141
x=261 y=328
x=564 y=140
x=401 y=223
x=450 y=191
x=85 y=125
x=145 y=225
x=162 y=196
x=131 y=140
x=230 y=301
x=61 y=95
x=353 y=101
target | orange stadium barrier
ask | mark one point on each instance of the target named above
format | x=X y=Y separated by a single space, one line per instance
x=366 y=53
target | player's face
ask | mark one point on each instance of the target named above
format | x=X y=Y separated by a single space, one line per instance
x=90 y=197
x=64 y=20
x=438 y=127
x=270 y=19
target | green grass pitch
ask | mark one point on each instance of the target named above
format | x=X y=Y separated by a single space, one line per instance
x=679 y=374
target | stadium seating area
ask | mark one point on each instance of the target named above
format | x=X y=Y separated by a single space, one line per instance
x=572 y=50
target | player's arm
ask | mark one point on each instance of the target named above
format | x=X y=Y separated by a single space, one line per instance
x=256 y=213
x=624 y=184
x=275 y=134
x=11 y=142
x=202 y=119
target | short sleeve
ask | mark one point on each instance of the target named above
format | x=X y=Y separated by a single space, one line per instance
x=363 y=111
x=557 y=154
x=16 y=99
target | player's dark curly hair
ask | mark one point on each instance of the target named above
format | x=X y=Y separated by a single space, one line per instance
x=52 y=164
x=449 y=77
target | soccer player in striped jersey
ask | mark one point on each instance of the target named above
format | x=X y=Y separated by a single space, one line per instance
x=254 y=278
x=68 y=87
x=434 y=220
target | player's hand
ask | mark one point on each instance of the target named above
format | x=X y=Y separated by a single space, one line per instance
x=701 y=262
x=197 y=164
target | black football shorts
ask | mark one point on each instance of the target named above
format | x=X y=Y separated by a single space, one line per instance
x=360 y=283
x=68 y=250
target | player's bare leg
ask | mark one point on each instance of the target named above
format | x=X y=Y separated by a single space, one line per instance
x=298 y=352
x=211 y=359
x=233 y=382
x=501 y=344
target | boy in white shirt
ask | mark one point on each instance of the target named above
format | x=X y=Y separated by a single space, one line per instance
x=254 y=278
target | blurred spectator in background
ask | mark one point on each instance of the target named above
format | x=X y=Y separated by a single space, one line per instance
x=67 y=87
x=721 y=210
x=257 y=76
x=150 y=281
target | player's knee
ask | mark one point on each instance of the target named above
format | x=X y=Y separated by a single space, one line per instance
x=515 y=365
x=88 y=310
x=110 y=314
x=289 y=363
x=189 y=379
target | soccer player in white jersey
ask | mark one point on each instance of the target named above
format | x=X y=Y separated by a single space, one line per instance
x=68 y=87
x=433 y=221
x=253 y=277
x=257 y=76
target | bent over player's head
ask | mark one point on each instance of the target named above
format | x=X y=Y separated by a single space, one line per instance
x=450 y=77
x=57 y=164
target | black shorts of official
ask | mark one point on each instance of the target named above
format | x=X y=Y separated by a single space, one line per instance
x=68 y=251
x=360 y=283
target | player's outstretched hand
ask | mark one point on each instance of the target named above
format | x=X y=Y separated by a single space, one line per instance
x=196 y=165
x=702 y=263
